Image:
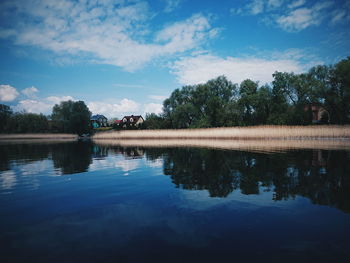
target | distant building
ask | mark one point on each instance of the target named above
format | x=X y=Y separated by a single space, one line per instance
x=98 y=120
x=131 y=121
x=319 y=113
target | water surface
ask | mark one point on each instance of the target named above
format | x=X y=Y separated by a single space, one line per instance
x=84 y=202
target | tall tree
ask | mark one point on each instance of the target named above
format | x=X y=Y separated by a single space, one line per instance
x=203 y=105
x=248 y=100
x=74 y=116
x=340 y=90
x=332 y=87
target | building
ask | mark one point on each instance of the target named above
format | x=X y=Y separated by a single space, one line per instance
x=131 y=121
x=98 y=121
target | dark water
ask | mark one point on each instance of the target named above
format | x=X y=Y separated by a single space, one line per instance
x=80 y=202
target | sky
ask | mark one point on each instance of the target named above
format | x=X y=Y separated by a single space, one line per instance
x=125 y=57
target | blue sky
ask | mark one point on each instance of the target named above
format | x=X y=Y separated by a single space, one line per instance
x=124 y=57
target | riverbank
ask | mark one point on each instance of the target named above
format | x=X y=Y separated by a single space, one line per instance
x=38 y=136
x=237 y=133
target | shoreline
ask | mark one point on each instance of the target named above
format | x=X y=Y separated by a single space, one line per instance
x=252 y=133
x=37 y=136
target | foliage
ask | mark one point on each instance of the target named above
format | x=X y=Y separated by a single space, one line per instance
x=74 y=117
x=154 y=121
x=287 y=101
x=203 y=105
x=5 y=114
x=27 y=123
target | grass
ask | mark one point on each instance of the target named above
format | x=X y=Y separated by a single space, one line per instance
x=238 y=133
x=103 y=129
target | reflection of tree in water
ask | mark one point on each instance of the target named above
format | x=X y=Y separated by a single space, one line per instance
x=72 y=157
x=201 y=169
x=322 y=176
x=101 y=151
x=69 y=157
x=21 y=153
x=132 y=153
x=329 y=184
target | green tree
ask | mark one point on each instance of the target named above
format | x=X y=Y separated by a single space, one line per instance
x=248 y=101
x=203 y=105
x=73 y=116
x=287 y=102
x=340 y=91
x=5 y=114
x=262 y=104
x=154 y=121
x=279 y=101
x=22 y=122
x=332 y=87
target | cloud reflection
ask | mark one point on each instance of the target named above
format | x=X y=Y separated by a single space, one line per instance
x=7 y=180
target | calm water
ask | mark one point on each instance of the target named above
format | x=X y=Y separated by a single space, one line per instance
x=81 y=202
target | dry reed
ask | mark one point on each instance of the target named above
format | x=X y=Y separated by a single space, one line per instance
x=244 y=133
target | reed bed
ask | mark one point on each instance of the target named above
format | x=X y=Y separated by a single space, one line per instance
x=242 y=133
x=38 y=136
x=268 y=146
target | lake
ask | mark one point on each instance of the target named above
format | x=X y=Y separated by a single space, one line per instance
x=86 y=202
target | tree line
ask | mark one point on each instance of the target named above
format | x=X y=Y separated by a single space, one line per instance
x=67 y=117
x=286 y=101
x=217 y=103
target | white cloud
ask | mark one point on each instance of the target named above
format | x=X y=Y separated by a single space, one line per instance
x=199 y=69
x=274 y=3
x=40 y=106
x=298 y=19
x=338 y=16
x=302 y=18
x=34 y=106
x=110 y=110
x=8 y=93
x=153 y=108
x=57 y=100
x=292 y=16
x=297 y=3
x=184 y=35
x=123 y=107
x=341 y=15
x=106 y=32
x=256 y=7
x=30 y=92
x=157 y=97
x=171 y=5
